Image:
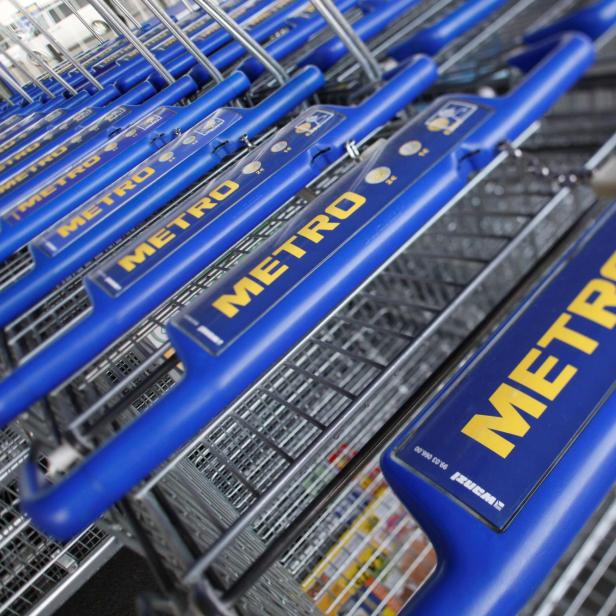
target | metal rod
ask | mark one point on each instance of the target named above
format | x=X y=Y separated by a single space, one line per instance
x=28 y=75
x=55 y=43
x=75 y=11
x=239 y=34
x=181 y=36
x=8 y=33
x=15 y=84
x=123 y=29
x=6 y=98
x=126 y=13
x=357 y=48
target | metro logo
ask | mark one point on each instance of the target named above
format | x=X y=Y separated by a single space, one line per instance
x=182 y=222
x=17 y=212
x=541 y=375
x=35 y=145
x=94 y=210
x=270 y=269
x=28 y=171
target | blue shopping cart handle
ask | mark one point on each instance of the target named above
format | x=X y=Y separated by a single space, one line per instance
x=377 y=15
x=262 y=181
x=48 y=120
x=88 y=119
x=58 y=250
x=50 y=156
x=40 y=202
x=63 y=120
x=503 y=468
x=28 y=210
x=593 y=20
x=433 y=39
x=271 y=21
x=250 y=319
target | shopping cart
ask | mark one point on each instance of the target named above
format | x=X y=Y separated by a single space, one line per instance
x=583 y=582
x=267 y=464
x=36 y=573
x=357 y=124
x=267 y=450
x=562 y=468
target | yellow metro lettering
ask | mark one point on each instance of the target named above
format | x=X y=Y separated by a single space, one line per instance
x=595 y=303
x=594 y=300
x=291 y=248
x=270 y=269
x=609 y=268
x=312 y=231
x=241 y=296
x=559 y=331
x=163 y=236
x=71 y=226
x=130 y=261
x=506 y=400
x=537 y=379
x=335 y=209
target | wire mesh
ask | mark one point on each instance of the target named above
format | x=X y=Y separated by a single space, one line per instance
x=584 y=582
x=268 y=454
x=36 y=571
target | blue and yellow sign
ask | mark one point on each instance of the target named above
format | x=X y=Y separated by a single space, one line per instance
x=509 y=417
x=222 y=314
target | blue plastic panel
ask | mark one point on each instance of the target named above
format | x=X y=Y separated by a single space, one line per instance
x=492 y=440
x=55 y=239
x=64 y=183
x=221 y=315
x=115 y=277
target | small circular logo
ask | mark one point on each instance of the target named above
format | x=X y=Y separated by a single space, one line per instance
x=410 y=148
x=188 y=140
x=279 y=146
x=437 y=124
x=303 y=128
x=165 y=156
x=112 y=145
x=131 y=133
x=378 y=175
x=252 y=167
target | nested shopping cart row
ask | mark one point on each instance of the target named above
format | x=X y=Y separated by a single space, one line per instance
x=260 y=465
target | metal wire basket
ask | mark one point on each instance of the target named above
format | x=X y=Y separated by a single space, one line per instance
x=224 y=503
x=37 y=574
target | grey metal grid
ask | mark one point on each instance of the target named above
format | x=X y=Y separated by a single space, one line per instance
x=429 y=297
x=584 y=582
x=69 y=302
x=37 y=573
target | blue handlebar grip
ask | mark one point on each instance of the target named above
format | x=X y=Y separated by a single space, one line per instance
x=502 y=504
x=24 y=218
x=594 y=21
x=433 y=39
x=423 y=185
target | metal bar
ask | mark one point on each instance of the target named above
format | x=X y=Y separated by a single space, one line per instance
x=16 y=85
x=237 y=32
x=75 y=11
x=38 y=61
x=78 y=66
x=127 y=15
x=123 y=29
x=24 y=71
x=179 y=34
x=343 y=29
